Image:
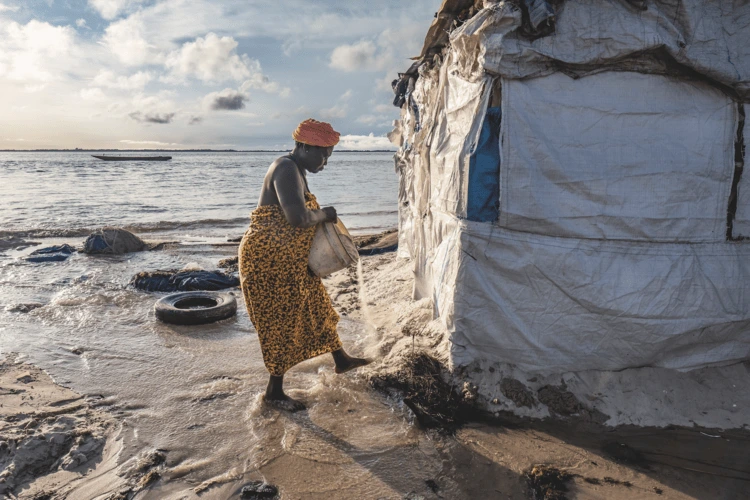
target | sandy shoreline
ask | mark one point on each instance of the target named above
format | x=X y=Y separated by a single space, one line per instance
x=356 y=441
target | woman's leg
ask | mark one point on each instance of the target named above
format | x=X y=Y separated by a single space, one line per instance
x=344 y=362
x=275 y=395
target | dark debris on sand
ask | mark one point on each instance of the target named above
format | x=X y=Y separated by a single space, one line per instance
x=258 y=490
x=517 y=392
x=563 y=403
x=56 y=253
x=183 y=281
x=231 y=264
x=145 y=470
x=422 y=383
x=547 y=483
x=370 y=239
x=375 y=244
x=24 y=308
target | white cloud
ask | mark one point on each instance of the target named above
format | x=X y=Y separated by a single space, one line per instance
x=382 y=115
x=35 y=52
x=366 y=142
x=31 y=89
x=149 y=143
x=143 y=108
x=361 y=56
x=8 y=8
x=109 y=9
x=108 y=79
x=340 y=110
x=299 y=114
x=91 y=84
x=385 y=108
x=126 y=39
x=211 y=59
x=369 y=119
x=260 y=81
x=337 y=111
x=214 y=59
x=93 y=94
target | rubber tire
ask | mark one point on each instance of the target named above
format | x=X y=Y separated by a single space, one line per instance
x=167 y=311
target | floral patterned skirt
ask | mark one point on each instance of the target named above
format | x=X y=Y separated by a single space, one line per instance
x=288 y=305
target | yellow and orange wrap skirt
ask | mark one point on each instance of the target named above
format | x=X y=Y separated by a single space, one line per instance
x=288 y=305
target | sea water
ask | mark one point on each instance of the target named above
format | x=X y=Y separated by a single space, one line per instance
x=194 y=391
x=194 y=195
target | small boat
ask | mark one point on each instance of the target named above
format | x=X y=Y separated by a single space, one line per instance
x=132 y=158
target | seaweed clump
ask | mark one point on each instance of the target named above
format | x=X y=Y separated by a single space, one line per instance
x=423 y=384
x=547 y=483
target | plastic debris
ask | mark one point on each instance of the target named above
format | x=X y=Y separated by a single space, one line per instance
x=57 y=253
x=183 y=281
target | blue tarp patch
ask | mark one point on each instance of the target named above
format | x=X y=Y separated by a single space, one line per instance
x=484 y=171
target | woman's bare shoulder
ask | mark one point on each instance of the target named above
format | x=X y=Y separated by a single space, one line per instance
x=283 y=168
x=282 y=174
x=282 y=164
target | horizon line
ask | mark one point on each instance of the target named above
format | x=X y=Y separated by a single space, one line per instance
x=54 y=150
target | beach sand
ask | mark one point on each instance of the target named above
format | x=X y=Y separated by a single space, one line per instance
x=612 y=436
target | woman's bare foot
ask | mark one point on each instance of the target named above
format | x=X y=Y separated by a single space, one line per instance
x=345 y=363
x=276 y=397
x=284 y=403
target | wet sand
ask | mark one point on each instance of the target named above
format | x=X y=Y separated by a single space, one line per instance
x=353 y=441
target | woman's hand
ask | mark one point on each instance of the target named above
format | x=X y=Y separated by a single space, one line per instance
x=331 y=215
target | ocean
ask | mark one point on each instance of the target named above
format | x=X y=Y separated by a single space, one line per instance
x=195 y=195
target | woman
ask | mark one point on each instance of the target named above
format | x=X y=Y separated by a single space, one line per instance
x=287 y=304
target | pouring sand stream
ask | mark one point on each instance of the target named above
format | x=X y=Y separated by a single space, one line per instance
x=371 y=331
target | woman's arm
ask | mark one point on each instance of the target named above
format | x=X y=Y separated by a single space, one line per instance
x=290 y=191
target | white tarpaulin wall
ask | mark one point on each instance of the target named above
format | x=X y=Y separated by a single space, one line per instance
x=710 y=37
x=617 y=156
x=551 y=304
x=603 y=169
x=456 y=129
x=610 y=247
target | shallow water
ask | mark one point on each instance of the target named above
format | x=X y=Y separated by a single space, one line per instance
x=194 y=391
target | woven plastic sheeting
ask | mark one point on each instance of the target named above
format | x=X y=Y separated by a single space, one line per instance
x=456 y=132
x=610 y=249
x=617 y=156
x=114 y=241
x=710 y=38
x=549 y=304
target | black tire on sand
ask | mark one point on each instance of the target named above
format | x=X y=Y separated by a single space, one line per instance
x=195 y=308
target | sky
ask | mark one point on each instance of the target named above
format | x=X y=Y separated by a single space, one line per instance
x=195 y=74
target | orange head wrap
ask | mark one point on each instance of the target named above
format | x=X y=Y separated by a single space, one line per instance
x=316 y=133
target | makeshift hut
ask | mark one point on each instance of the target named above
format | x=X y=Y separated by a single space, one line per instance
x=571 y=189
